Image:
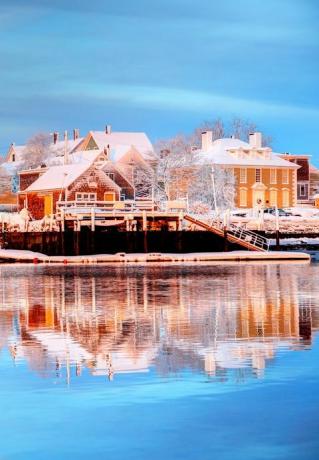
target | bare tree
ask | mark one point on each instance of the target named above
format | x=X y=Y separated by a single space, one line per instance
x=37 y=151
x=210 y=184
x=217 y=127
x=144 y=181
x=178 y=175
x=237 y=127
x=173 y=154
x=5 y=180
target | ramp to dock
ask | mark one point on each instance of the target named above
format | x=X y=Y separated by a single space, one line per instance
x=234 y=234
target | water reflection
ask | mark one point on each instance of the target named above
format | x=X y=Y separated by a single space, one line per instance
x=224 y=322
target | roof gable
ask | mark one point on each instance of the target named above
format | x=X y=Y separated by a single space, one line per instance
x=58 y=177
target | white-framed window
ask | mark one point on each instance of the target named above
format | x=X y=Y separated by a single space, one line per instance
x=110 y=175
x=243 y=175
x=243 y=197
x=285 y=198
x=82 y=196
x=258 y=175
x=285 y=176
x=273 y=176
x=302 y=190
x=273 y=197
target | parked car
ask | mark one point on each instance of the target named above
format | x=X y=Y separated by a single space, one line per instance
x=281 y=212
x=239 y=214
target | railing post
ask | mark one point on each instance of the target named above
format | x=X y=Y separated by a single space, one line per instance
x=62 y=220
x=92 y=219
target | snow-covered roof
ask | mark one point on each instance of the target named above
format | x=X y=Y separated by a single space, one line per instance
x=57 y=148
x=79 y=156
x=58 y=177
x=313 y=169
x=234 y=152
x=122 y=141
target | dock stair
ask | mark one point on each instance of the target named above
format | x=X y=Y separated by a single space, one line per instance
x=234 y=233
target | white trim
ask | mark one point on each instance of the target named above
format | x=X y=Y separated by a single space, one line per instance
x=85 y=196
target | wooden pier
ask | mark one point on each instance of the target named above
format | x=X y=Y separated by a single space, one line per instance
x=101 y=227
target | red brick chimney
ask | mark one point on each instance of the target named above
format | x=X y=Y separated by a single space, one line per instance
x=76 y=134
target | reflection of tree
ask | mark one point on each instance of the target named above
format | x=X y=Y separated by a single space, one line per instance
x=128 y=319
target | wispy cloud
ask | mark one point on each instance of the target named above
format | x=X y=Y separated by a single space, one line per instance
x=164 y=98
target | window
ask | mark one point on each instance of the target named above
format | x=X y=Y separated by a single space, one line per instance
x=243 y=197
x=273 y=176
x=258 y=175
x=273 y=198
x=85 y=197
x=302 y=190
x=110 y=175
x=13 y=157
x=285 y=176
x=285 y=198
x=243 y=176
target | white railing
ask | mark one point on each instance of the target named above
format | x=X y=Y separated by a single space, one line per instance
x=107 y=206
x=247 y=237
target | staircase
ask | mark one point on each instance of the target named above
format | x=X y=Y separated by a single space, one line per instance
x=235 y=234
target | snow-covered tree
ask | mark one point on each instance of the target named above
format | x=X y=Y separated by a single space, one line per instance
x=178 y=175
x=37 y=151
x=210 y=183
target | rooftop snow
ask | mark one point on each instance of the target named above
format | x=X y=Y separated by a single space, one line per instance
x=221 y=153
x=58 y=177
x=116 y=140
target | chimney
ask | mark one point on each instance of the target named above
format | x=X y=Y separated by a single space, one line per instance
x=108 y=129
x=255 y=140
x=207 y=140
x=76 y=134
x=65 y=136
x=55 y=137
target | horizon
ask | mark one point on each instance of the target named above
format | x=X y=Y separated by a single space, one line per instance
x=161 y=69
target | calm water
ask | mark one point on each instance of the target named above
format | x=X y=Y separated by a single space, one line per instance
x=178 y=362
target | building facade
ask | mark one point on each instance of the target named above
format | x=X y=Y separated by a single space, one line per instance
x=262 y=178
x=303 y=176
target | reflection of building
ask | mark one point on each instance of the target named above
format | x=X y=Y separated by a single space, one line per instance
x=128 y=320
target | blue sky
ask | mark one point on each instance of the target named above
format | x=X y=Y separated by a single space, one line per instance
x=160 y=66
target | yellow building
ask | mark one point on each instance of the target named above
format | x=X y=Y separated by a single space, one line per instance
x=262 y=177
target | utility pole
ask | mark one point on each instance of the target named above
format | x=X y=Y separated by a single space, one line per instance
x=66 y=153
x=214 y=189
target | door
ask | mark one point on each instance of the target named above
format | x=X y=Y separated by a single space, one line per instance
x=258 y=198
x=48 y=202
x=109 y=196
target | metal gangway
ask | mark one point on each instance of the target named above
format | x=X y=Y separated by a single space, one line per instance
x=234 y=234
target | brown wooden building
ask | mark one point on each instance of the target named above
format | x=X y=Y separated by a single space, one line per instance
x=82 y=182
